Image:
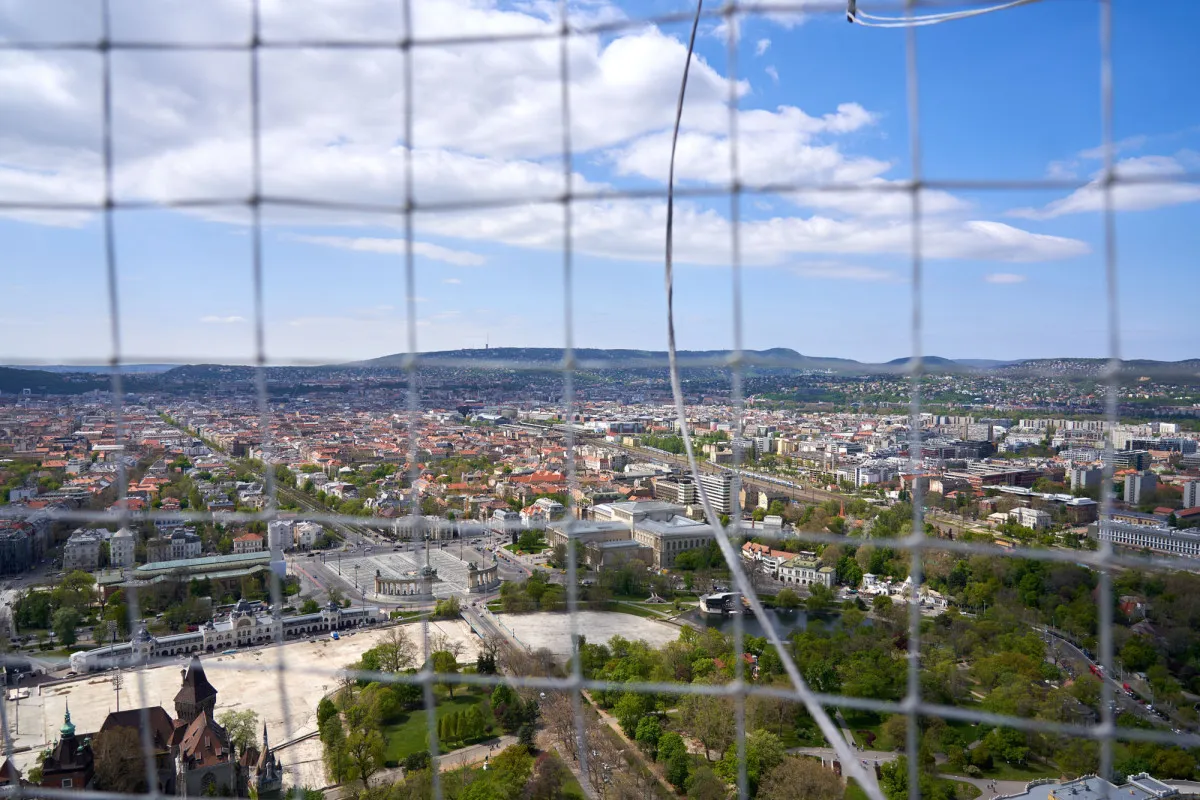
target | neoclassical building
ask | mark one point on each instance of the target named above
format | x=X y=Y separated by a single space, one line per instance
x=246 y=625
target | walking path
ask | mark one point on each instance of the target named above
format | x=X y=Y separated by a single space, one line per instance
x=611 y=722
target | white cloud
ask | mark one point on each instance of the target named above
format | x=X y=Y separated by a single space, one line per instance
x=1125 y=196
x=364 y=244
x=331 y=120
x=213 y=319
x=762 y=46
x=1004 y=277
x=837 y=271
x=452 y=281
x=774 y=73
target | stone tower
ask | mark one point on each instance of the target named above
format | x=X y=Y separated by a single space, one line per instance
x=196 y=695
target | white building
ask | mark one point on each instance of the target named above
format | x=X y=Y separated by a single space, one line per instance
x=82 y=550
x=1146 y=537
x=1031 y=518
x=306 y=533
x=249 y=624
x=280 y=534
x=805 y=571
x=121 y=549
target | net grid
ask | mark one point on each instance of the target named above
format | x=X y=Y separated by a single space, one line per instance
x=729 y=13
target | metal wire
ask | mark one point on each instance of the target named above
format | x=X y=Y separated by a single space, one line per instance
x=913 y=705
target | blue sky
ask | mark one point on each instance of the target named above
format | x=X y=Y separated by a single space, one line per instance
x=1008 y=96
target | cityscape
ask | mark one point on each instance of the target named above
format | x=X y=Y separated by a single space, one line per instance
x=813 y=476
x=600 y=399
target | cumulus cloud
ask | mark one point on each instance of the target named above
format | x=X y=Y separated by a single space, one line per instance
x=762 y=46
x=1127 y=196
x=213 y=319
x=486 y=127
x=452 y=281
x=773 y=73
x=1004 y=277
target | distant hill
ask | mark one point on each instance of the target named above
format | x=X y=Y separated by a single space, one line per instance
x=15 y=381
x=97 y=369
x=777 y=357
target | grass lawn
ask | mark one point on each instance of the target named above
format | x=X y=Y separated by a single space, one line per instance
x=964 y=790
x=1005 y=772
x=854 y=792
x=638 y=610
x=533 y=551
x=409 y=734
x=861 y=722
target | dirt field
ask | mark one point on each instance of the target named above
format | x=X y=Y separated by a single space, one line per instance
x=247 y=680
x=553 y=631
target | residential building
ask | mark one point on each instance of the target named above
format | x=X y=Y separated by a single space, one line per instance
x=16 y=548
x=720 y=490
x=248 y=543
x=121 y=549
x=281 y=534
x=1191 y=494
x=305 y=534
x=1139 y=487
x=82 y=550
x=1083 y=478
x=678 y=490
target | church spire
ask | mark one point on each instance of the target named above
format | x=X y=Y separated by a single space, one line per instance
x=68 y=727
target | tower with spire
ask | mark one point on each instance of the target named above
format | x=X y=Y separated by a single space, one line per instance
x=69 y=764
x=268 y=772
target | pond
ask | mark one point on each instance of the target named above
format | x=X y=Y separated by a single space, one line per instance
x=784 y=622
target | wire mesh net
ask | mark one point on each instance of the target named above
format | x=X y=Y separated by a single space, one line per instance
x=410 y=46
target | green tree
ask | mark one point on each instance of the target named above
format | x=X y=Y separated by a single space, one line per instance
x=647 y=735
x=444 y=663
x=326 y=711
x=511 y=770
x=800 y=779
x=820 y=598
x=242 y=727
x=630 y=710
x=310 y=606
x=365 y=749
x=787 y=599
x=1139 y=653
x=333 y=737
x=447 y=609
x=678 y=767
x=703 y=784
x=881 y=603
x=764 y=752
x=65 y=620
